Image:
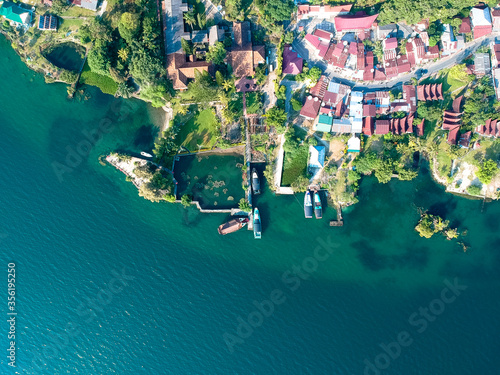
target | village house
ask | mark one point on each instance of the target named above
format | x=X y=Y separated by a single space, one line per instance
x=305 y=11
x=310 y=108
x=15 y=14
x=292 y=63
x=482 y=64
x=481 y=21
x=316 y=160
x=181 y=69
x=448 y=40
x=244 y=57
x=344 y=24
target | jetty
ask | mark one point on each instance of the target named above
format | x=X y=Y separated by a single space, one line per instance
x=339 y=222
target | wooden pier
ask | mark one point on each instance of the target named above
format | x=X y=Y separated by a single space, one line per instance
x=339 y=222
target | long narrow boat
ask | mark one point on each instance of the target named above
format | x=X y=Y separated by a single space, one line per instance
x=232 y=225
x=257 y=226
x=308 y=207
x=318 y=208
x=255 y=182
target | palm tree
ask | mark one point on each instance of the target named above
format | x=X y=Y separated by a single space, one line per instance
x=228 y=84
x=190 y=18
x=123 y=54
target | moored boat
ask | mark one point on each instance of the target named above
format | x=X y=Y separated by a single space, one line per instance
x=146 y=154
x=308 y=207
x=232 y=225
x=255 y=182
x=318 y=208
x=257 y=226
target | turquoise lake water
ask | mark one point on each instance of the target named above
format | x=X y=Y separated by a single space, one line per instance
x=72 y=225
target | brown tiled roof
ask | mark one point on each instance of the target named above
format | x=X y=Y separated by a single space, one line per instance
x=369 y=110
x=465 y=139
x=368 y=125
x=420 y=128
x=259 y=55
x=420 y=92
x=242 y=62
x=320 y=88
x=382 y=127
x=179 y=70
x=453 y=135
x=311 y=107
x=440 y=91
x=457 y=103
x=241 y=32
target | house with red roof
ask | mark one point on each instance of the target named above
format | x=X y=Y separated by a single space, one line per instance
x=382 y=127
x=368 y=126
x=319 y=89
x=432 y=53
x=419 y=129
x=465 y=26
x=404 y=65
x=481 y=21
x=292 y=63
x=313 y=40
x=410 y=96
x=495 y=55
x=305 y=11
x=391 y=68
x=324 y=36
x=369 y=110
x=345 y=24
x=495 y=19
x=415 y=50
x=311 y=108
x=464 y=140
x=453 y=135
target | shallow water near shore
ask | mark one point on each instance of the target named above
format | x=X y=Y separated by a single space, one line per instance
x=71 y=225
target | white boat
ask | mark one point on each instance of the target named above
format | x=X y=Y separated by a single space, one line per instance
x=257 y=226
x=146 y=154
x=308 y=207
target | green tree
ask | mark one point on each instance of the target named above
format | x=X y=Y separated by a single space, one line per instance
x=187 y=46
x=186 y=200
x=216 y=53
x=99 y=60
x=244 y=205
x=487 y=171
x=276 y=117
x=474 y=190
x=278 y=10
x=300 y=185
x=425 y=226
x=128 y=26
x=190 y=18
x=289 y=37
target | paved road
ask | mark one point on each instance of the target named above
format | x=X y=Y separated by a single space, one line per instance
x=432 y=67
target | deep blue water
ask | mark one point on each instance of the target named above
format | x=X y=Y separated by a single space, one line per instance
x=70 y=235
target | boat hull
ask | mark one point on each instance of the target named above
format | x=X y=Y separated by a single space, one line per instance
x=318 y=208
x=255 y=182
x=232 y=226
x=257 y=226
x=308 y=207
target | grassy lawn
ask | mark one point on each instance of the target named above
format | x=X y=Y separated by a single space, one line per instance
x=201 y=129
x=295 y=166
x=444 y=163
x=74 y=11
x=70 y=24
x=106 y=84
x=254 y=102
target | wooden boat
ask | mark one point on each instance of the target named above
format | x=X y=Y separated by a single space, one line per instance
x=257 y=226
x=232 y=225
x=255 y=182
x=308 y=207
x=318 y=208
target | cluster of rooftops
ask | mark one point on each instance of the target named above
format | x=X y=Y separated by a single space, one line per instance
x=334 y=107
x=243 y=56
x=340 y=41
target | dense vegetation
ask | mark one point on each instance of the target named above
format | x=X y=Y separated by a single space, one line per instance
x=126 y=46
x=432 y=224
